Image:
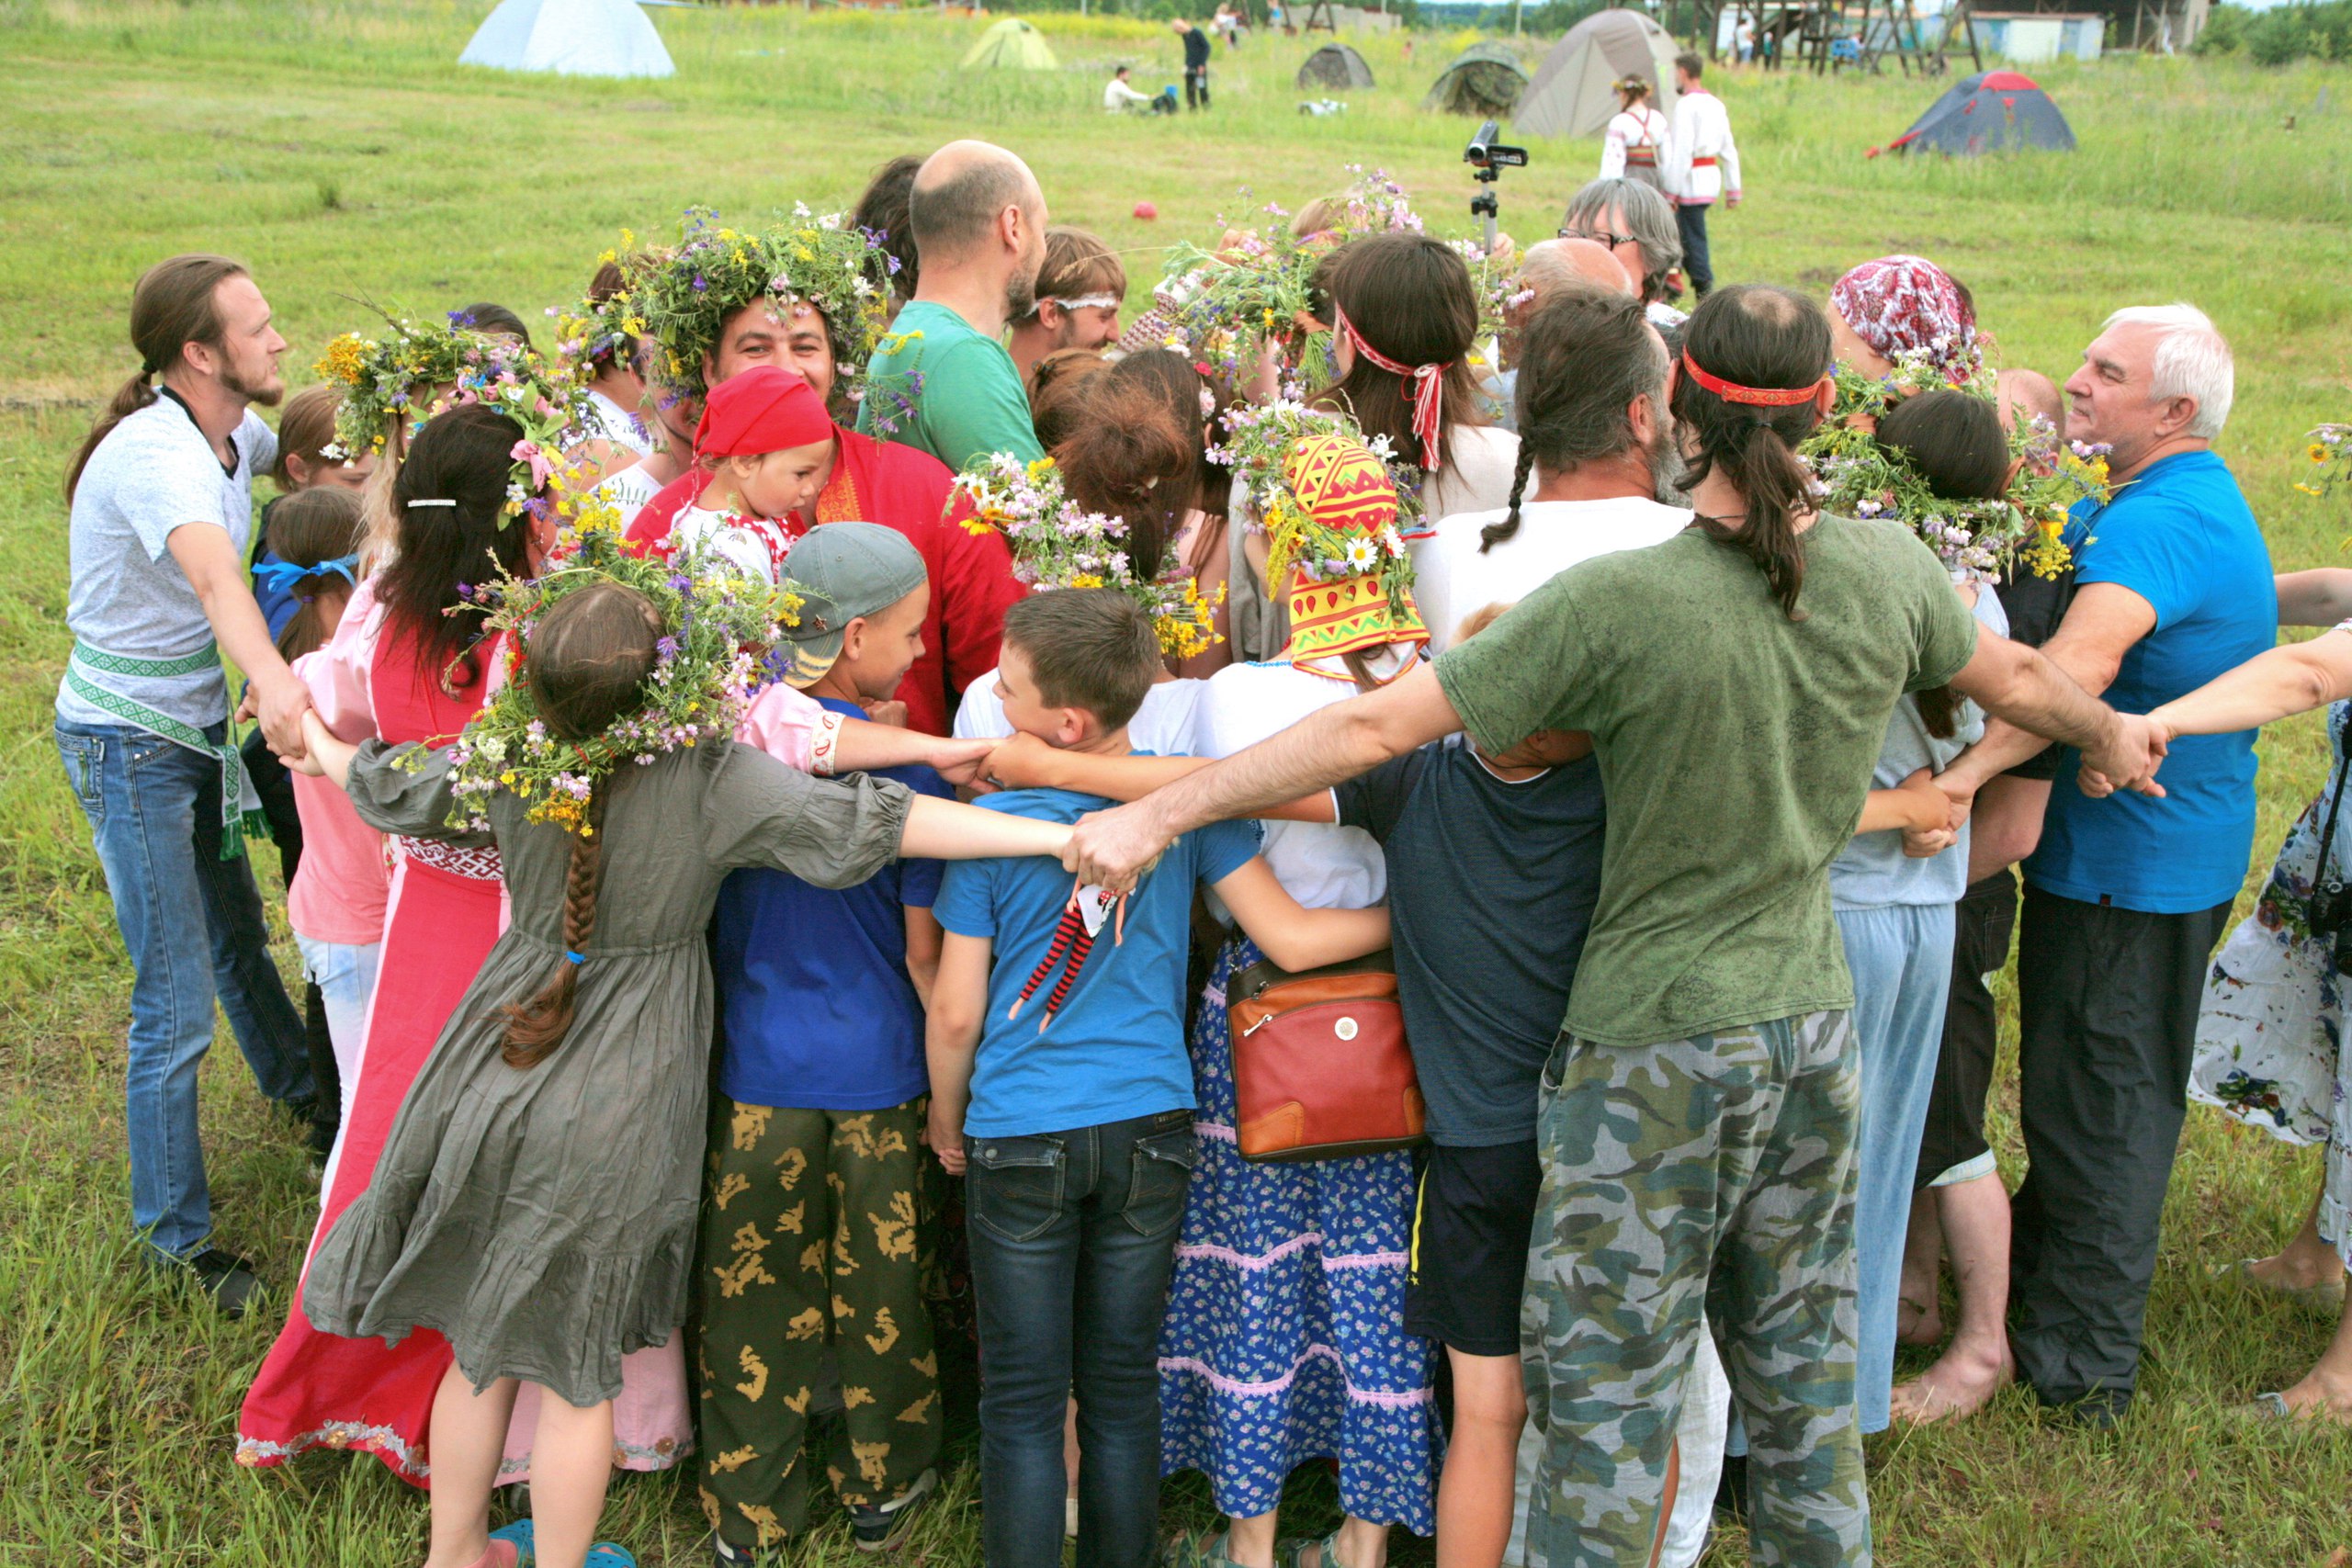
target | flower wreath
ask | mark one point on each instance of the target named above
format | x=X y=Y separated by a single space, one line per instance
x=2330 y=451
x=712 y=657
x=1984 y=540
x=1057 y=544
x=818 y=259
x=384 y=380
x=1258 y=441
x=592 y=328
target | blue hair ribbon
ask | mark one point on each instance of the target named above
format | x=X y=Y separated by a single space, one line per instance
x=572 y=958
x=278 y=575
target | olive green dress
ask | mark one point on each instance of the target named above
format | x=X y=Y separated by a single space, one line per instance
x=542 y=1219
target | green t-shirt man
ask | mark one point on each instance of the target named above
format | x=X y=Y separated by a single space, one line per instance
x=940 y=386
x=1736 y=749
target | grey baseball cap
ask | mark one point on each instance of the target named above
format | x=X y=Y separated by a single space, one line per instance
x=843 y=570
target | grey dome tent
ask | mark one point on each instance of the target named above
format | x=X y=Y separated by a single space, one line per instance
x=570 y=37
x=1485 y=79
x=1335 y=65
x=1574 y=92
x=1997 y=111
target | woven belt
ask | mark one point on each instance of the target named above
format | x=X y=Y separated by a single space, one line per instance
x=241 y=814
x=473 y=865
x=1641 y=155
x=1703 y=163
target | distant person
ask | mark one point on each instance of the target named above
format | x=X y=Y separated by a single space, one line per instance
x=1638 y=226
x=493 y=320
x=1119 y=95
x=1633 y=145
x=1079 y=291
x=882 y=211
x=1197 y=64
x=1702 y=165
x=943 y=383
x=624 y=427
x=162 y=514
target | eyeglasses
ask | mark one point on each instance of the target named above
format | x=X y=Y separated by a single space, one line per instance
x=1599 y=236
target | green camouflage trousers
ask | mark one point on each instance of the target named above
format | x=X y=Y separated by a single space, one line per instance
x=808 y=1245
x=1715 y=1174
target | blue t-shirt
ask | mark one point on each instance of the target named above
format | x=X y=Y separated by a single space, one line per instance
x=2182 y=537
x=815 y=1009
x=1116 y=1048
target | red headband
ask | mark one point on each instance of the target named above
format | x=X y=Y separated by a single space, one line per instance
x=1764 y=397
x=1429 y=390
x=762 y=410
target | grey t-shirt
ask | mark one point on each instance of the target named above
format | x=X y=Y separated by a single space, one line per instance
x=1872 y=870
x=154 y=472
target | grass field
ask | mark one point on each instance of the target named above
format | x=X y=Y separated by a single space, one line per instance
x=338 y=149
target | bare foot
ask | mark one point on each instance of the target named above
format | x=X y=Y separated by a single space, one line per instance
x=2320 y=1398
x=2291 y=1271
x=1960 y=1382
x=1918 y=1321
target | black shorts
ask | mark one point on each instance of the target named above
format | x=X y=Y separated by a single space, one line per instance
x=1472 y=1218
x=1954 y=1133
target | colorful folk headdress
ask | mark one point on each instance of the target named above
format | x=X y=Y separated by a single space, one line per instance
x=1907 y=305
x=1057 y=542
x=1351 y=582
x=416 y=370
x=821 y=260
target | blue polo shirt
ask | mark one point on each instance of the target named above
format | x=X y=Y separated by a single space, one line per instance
x=2182 y=537
x=1115 y=1048
x=815 y=1009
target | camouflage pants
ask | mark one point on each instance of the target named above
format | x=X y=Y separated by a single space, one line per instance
x=1714 y=1175
x=808 y=1245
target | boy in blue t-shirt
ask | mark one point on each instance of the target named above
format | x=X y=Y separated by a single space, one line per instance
x=809 y=1237
x=1057 y=1047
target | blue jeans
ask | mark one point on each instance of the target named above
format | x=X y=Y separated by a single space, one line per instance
x=154 y=811
x=1073 y=1238
x=1901 y=959
x=1690 y=222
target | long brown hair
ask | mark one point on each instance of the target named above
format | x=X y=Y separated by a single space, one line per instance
x=174 y=304
x=1138 y=450
x=587 y=661
x=1410 y=296
x=1753 y=334
x=322 y=524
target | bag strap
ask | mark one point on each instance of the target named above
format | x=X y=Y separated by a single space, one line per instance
x=2334 y=805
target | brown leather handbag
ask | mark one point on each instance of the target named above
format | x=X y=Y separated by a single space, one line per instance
x=1320 y=1068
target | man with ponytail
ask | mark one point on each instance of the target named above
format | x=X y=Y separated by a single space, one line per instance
x=162 y=499
x=1737 y=680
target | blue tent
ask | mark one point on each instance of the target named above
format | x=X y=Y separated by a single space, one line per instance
x=1997 y=110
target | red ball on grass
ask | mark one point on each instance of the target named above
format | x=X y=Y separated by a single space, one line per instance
x=1145 y=211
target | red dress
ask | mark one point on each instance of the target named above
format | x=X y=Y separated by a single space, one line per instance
x=971 y=573
x=318 y=1390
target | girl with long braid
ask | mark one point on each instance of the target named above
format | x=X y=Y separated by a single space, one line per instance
x=537 y=1201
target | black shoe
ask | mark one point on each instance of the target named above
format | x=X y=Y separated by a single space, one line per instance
x=229 y=1280
x=725 y=1556
x=881 y=1528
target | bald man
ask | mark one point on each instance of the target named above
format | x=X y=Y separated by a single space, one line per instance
x=1549 y=267
x=942 y=382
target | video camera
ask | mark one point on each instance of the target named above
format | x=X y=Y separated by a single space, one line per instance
x=1489 y=158
x=1487 y=155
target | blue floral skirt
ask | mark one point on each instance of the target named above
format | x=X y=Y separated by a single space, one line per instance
x=1285 y=1338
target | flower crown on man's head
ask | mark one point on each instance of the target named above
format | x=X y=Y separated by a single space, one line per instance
x=1057 y=542
x=821 y=260
x=416 y=370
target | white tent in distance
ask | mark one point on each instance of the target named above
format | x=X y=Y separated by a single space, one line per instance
x=571 y=38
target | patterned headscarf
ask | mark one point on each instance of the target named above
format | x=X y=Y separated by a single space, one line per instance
x=1903 y=305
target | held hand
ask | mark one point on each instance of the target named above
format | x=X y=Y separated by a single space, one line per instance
x=1112 y=848
x=1960 y=792
x=1930 y=807
x=281 y=705
x=308 y=762
x=959 y=761
x=1926 y=843
x=2129 y=755
x=248 y=706
x=946 y=1141
x=1021 y=763
x=889 y=711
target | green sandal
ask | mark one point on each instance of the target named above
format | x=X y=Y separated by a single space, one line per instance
x=1292 y=1554
x=1197 y=1552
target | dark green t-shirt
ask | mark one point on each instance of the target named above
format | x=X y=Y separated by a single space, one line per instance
x=1736 y=749
x=943 y=389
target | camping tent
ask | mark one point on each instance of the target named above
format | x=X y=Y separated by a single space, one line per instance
x=1983 y=114
x=1335 y=65
x=1572 y=94
x=571 y=38
x=1485 y=79
x=1013 y=45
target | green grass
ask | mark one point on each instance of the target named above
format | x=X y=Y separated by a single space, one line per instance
x=337 y=148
